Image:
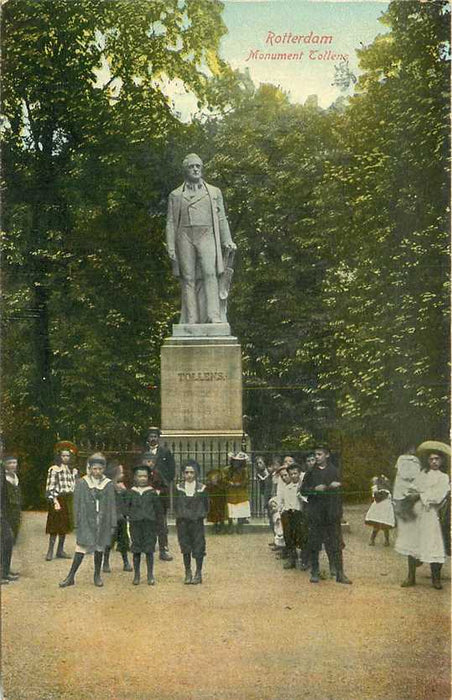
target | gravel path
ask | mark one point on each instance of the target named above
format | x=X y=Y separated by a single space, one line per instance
x=252 y=631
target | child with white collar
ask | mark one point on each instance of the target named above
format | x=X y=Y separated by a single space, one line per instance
x=191 y=507
x=95 y=517
x=145 y=514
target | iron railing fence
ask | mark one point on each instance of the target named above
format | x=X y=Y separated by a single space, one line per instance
x=205 y=453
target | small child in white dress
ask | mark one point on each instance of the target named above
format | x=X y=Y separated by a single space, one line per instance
x=380 y=515
x=277 y=524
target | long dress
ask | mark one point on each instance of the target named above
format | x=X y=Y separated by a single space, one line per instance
x=407 y=470
x=433 y=487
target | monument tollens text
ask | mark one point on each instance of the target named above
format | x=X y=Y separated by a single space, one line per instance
x=201 y=363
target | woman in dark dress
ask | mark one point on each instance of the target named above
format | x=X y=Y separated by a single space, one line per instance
x=191 y=506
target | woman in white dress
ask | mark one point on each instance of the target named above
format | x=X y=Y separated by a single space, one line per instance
x=431 y=489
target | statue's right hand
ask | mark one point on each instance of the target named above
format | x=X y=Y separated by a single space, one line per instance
x=172 y=255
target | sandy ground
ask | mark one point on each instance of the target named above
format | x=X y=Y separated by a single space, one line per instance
x=252 y=631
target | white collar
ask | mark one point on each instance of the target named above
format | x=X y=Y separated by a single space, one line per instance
x=94 y=484
x=142 y=489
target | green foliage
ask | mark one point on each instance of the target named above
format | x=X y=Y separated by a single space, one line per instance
x=340 y=297
x=268 y=158
x=383 y=215
x=92 y=147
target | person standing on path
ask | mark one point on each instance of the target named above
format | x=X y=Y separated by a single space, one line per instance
x=95 y=518
x=61 y=478
x=165 y=466
x=144 y=512
x=428 y=493
x=290 y=507
x=236 y=478
x=10 y=513
x=321 y=486
x=115 y=472
x=380 y=515
x=191 y=506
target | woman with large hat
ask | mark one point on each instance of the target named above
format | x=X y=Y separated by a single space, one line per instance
x=430 y=494
x=236 y=479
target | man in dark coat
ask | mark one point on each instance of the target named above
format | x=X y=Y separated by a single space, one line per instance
x=165 y=467
x=321 y=487
x=10 y=511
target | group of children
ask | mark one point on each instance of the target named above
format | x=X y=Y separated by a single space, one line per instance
x=305 y=512
x=106 y=511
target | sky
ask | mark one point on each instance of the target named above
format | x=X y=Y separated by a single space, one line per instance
x=348 y=23
x=250 y=21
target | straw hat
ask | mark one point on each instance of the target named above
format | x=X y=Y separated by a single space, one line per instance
x=429 y=446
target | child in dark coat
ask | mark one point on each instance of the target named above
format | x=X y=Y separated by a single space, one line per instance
x=115 y=472
x=95 y=517
x=191 y=507
x=144 y=511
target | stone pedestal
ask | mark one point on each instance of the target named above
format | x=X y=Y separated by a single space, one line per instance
x=201 y=394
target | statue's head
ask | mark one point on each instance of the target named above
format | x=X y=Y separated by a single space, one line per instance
x=192 y=165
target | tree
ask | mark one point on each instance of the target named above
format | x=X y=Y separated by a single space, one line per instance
x=268 y=156
x=383 y=209
x=91 y=149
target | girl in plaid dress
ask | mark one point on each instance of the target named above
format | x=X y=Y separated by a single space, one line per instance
x=59 y=491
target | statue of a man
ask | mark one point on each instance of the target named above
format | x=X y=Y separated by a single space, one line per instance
x=200 y=246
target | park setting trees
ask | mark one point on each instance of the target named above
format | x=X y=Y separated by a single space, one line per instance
x=340 y=295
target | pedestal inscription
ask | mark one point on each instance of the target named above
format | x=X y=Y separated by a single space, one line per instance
x=201 y=381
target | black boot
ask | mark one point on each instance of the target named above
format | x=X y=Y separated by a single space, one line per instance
x=106 y=565
x=136 y=568
x=411 y=578
x=291 y=562
x=98 y=556
x=387 y=543
x=187 y=564
x=340 y=576
x=150 y=568
x=197 y=578
x=165 y=555
x=70 y=578
x=52 y=540
x=61 y=554
x=126 y=562
x=436 y=576
x=315 y=567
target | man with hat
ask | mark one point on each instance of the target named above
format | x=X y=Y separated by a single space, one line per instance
x=236 y=479
x=199 y=245
x=161 y=460
x=321 y=487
